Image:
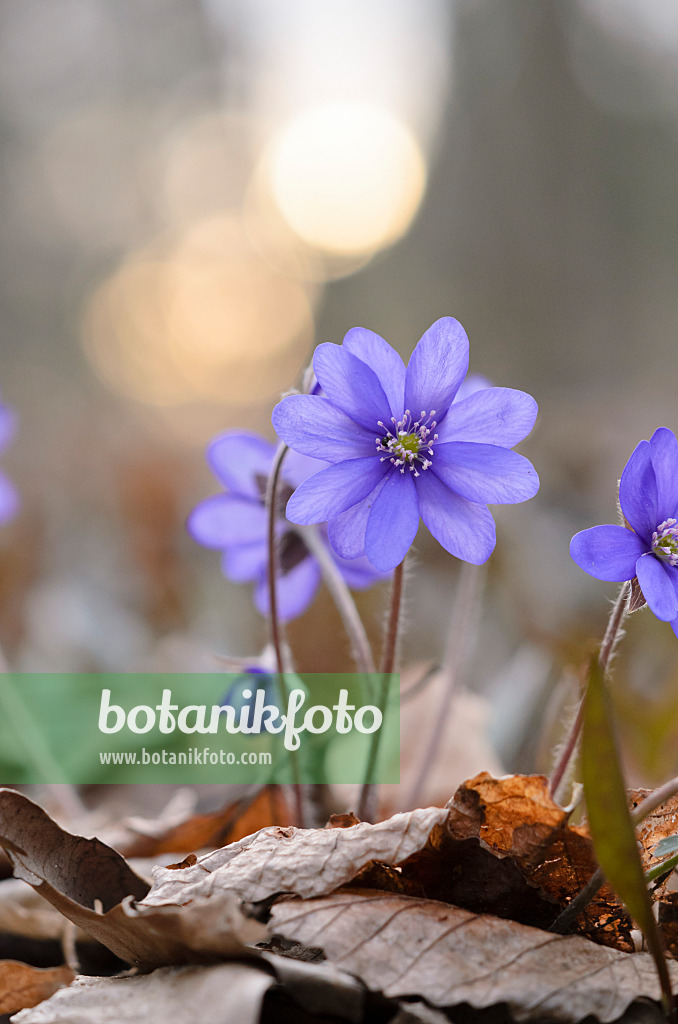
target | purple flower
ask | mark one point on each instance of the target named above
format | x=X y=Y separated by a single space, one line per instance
x=235 y=523
x=400 y=447
x=648 y=550
x=9 y=498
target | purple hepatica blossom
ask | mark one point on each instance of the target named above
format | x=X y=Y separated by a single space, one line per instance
x=648 y=496
x=401 y=447
x=9 y=498
x=235 y=523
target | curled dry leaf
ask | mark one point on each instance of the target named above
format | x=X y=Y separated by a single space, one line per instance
x=405 y=946
x=546 y=860
x=308 y=862
x=22 y=986
x=93 y=886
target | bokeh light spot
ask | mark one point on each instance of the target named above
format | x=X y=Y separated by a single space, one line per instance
x=209 y=320
x=347 y=177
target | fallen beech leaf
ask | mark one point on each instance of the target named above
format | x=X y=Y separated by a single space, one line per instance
x=22 y=985
x=93 y=886
x=610 y=822
x=308 y=862
x=182 y=995
x=537 y=858
x=404 y=946
x=43 y=853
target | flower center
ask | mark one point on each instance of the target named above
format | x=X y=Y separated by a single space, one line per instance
x=665 y=542
x=408 y=443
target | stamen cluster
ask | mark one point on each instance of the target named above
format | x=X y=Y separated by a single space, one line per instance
x=665 y=541
x=408 y=443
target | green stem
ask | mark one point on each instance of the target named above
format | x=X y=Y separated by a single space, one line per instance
x=367 y=801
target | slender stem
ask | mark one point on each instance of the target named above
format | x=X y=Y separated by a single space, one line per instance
x=342 y=597
x=612 y=636
x=388 y=654
x=564 y=921
x=277 y=633
x=368 y=793
x=272 y=511
x=654 y=800
x=461 y=632
x=614 y=627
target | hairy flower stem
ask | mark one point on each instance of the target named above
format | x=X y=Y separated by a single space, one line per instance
x=272 y=511
x=652 y=801
x=341 y=595
x=368 y=794
x=613 y=634
x=461 y=633
x=277 y=634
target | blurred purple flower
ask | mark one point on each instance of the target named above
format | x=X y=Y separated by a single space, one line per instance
x=9 y=497
x=235 y=523
x=402 y=447
x=648 y=496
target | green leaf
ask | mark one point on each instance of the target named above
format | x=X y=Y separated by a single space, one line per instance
x=612 y=831
x=669 y=844
x=663 y=869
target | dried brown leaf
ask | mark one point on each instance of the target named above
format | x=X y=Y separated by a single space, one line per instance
x=22 y=986
x=514 y=819
x=93 y=886
x=404 y=946
x=308 y=862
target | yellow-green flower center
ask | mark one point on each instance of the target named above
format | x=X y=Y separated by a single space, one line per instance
x=408 y=444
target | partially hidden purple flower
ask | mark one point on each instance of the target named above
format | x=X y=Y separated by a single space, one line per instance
x=401 y=447
x=241 y=694
x=9 y=497
x=235 y=523
x=648 y=550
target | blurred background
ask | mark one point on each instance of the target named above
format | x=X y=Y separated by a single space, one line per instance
x=196 y=192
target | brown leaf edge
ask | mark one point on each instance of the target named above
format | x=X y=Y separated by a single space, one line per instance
x=96 y=889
